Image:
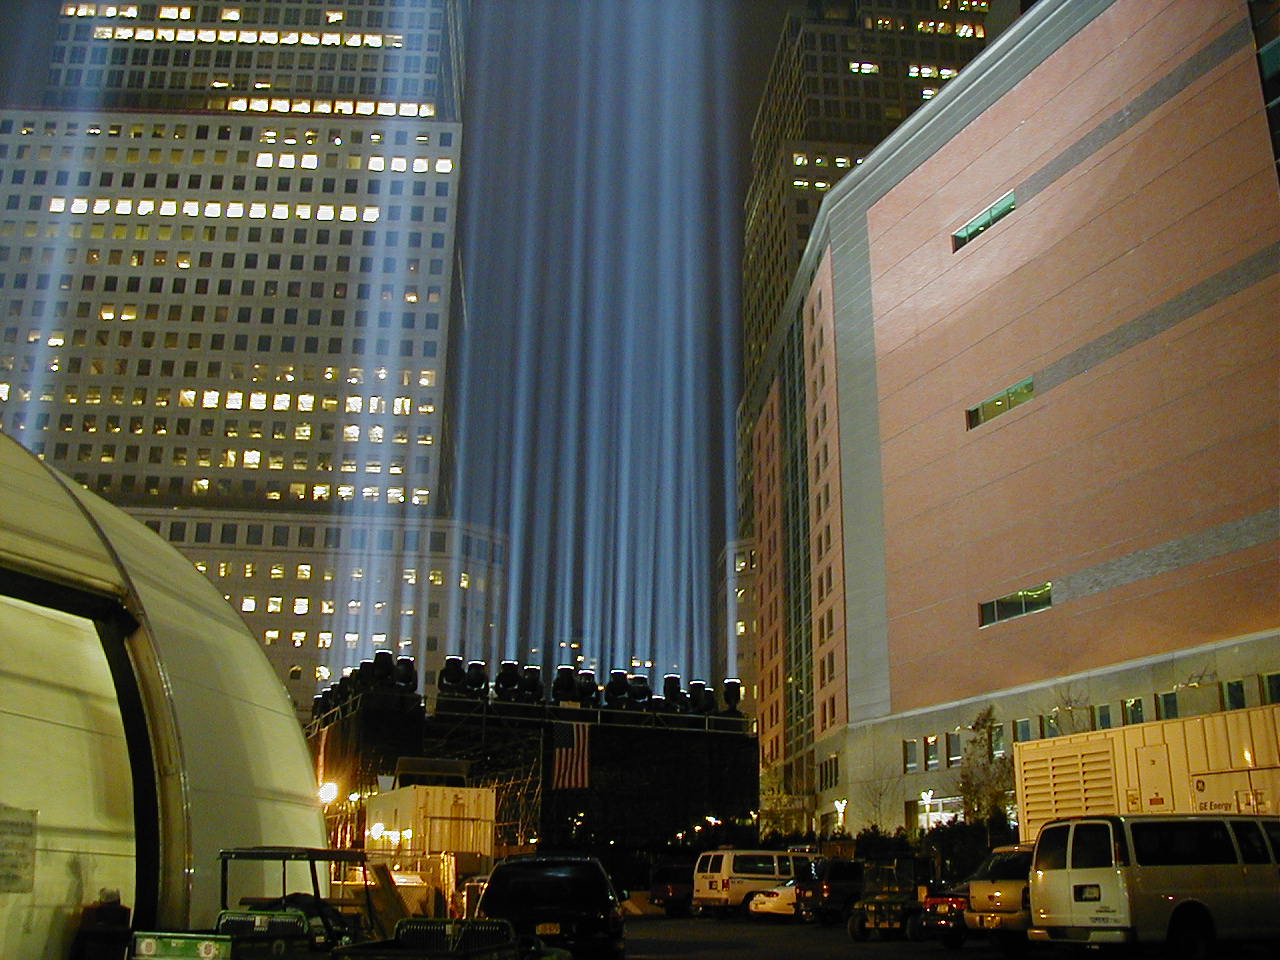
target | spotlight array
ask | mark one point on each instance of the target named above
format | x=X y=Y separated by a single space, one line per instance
x=622 y=691
x=385 y=674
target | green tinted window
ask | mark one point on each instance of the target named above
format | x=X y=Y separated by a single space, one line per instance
x=1005 y=400
x=997 y=211
x=1017 y=604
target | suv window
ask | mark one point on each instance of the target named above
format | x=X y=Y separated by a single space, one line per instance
x=1051 y=850
x=672 y=873
x=1005 y=865
x=752 y=863
x=1182 y=842
x=1091 y=846
x=842 y=871
x=529 y=886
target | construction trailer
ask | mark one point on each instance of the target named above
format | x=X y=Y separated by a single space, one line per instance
x=1212 y=763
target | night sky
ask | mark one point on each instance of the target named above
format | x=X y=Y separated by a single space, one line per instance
x=605 y=161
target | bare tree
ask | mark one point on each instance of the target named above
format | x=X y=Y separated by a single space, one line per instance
x=875 y=796
x=1071 y=711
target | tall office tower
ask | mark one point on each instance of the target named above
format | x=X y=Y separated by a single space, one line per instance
x=227 y=278
x=844 y=75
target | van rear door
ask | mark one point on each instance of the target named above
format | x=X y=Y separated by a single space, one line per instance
x=1099 y=898
x=1074 y=880
x=707 y=886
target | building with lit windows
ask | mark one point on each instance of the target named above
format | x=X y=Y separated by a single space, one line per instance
x=226 y=285
x=733 y=653
x=845 y=74
x=1036 y=335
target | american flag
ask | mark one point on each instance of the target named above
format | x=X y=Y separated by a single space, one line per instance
x=569 y=756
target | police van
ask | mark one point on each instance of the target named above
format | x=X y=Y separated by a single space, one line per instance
x=1186 y=880
x=728 y=879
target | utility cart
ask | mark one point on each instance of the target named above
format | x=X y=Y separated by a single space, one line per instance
x=892 y=901
x=294 y=924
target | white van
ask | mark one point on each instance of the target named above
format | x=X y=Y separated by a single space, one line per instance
x=728 y=879
x=1185 y=880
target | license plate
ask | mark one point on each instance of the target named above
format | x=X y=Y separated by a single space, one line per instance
x=944 y=908
x=547 y=929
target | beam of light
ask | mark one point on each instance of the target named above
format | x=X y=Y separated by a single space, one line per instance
x=369 y=588
x=601 y=249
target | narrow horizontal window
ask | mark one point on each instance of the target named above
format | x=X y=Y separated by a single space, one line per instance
x=997 y=211
x=1003 y=401
x=1017 y=604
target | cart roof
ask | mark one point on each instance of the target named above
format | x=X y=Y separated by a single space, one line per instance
x=293 y=853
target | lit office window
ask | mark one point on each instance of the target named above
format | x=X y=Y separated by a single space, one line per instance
x=910 y=756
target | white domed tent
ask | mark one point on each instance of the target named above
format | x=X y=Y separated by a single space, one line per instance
x=141 y=727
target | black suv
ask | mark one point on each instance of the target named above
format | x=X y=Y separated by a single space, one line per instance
x=566 y=902
x=832 y=891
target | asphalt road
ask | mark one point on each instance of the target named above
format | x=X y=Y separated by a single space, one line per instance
x=700 y=938
x=658 y=938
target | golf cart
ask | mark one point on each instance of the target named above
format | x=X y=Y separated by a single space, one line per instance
x=291 y=925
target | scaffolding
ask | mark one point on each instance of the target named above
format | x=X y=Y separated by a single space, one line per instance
x=503 y=753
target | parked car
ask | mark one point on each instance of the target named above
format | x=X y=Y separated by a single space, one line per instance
x=565 y=902
x=831 y=892
x=671 y=888
x=943 y=916
x=1000 y=897
x=779 y=901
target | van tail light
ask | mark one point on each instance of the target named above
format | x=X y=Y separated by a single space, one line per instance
x=826 y=889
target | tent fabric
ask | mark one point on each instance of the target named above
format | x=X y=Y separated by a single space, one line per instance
x=232 y=768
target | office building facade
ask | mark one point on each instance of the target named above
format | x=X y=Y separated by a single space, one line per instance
x=844 y=76
x=227 y=268
x=1040 y=352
